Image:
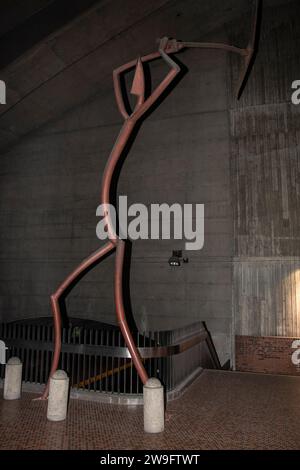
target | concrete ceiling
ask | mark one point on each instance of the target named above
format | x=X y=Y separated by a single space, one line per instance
x=32 y=21
x=74 y=62
x=16 y=12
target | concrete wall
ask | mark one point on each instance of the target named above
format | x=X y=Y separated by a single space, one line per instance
x=200 y=146
x=50 y=186
x=265 y=143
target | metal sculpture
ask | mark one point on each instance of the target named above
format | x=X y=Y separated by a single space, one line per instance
x=166 y=46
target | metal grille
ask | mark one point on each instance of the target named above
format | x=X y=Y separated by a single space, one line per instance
x=96 y=359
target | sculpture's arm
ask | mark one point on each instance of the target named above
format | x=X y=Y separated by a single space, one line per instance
x=117 y=82
x=166 y=46
x=175 y=69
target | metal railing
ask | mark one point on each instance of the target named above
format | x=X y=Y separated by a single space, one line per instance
x=96 y=358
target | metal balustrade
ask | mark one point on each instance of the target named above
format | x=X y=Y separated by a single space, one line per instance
x=97 y=359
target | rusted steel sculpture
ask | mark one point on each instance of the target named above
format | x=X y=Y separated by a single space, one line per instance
x=143 y=104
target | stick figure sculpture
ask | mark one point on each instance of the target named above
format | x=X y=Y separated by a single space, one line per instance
x=166 y=47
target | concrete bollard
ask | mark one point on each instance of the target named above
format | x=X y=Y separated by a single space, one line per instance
x=58 y=396
x=13 y=379
x=154 y=419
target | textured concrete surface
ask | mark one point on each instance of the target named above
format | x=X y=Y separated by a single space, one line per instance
x=222 y=410
x=58 y=396
x=13 y=379
x=265 y=144
x=154 y=412
x=240 y=159
x=72 y=63
x=50 y=188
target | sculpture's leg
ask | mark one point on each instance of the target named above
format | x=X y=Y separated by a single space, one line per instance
x=88 y=262
x=136 y=358
x=57 y=338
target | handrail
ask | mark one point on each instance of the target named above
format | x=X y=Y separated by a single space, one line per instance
x=115 y=351
x=98 y=360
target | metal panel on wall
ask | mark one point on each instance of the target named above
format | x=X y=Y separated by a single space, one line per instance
x=267 y=297
x=265 y=177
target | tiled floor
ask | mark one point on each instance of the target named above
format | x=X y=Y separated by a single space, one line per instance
x=222 y=410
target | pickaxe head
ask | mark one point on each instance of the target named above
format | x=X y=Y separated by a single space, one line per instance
x=250 y=51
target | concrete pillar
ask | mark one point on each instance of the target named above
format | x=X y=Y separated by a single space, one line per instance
x=154 y=419
x=58 y=396
x=13 y=379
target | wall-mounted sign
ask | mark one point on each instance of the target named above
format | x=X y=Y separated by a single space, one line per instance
x=268 y=354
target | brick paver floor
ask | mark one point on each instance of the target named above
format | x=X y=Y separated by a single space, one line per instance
x=221 y=410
